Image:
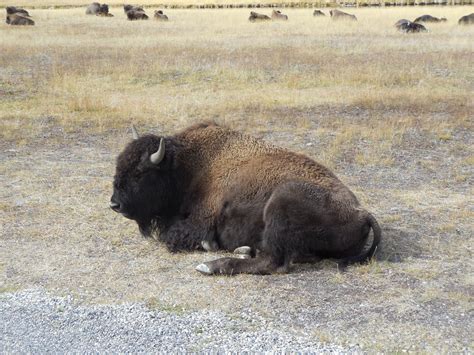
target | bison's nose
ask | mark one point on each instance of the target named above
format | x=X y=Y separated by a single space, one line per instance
x=115 y=206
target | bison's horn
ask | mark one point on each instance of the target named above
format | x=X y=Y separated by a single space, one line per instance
x=158 y=156
x=135 y=132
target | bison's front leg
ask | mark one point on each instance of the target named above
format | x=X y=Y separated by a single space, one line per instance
x=185 y=235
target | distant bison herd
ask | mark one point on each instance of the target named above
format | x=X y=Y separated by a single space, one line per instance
x=20 y=17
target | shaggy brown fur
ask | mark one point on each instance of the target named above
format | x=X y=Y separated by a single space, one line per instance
x=255 y=17
x=340 y=15
x=19 y=20
x=278 y=16
x=220 y=189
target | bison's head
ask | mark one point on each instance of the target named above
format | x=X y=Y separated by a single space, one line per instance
x=144 y=182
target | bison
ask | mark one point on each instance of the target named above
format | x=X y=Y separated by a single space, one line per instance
x=16 y=10
x=467 y=20
x=19 y=19
x=135 y=12
x=278 y=16
x=318 y=13
x=212 y=188
x=340 y=15
x=409 y=27
x=429 y=18
x=104 y=11
x=160 y=16
x=256 y=17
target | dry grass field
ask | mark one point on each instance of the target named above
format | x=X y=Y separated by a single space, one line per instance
x=390 y=113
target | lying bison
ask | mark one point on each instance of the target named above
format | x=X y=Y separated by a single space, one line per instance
x=16 y=10
x=278 y=16
x=318 y=13
x=211 y=188
x=467 y=20
x=19 y=19
x=256 y=17
x=429 y=18
x=135 y=12
x=340 y=15
x=160 y=16
x=409 y=27
x=98 y=9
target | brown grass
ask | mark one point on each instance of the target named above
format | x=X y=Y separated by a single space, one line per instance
x=390 y=113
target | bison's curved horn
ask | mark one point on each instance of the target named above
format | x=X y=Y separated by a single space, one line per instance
x=158 y=156
x=135 y=132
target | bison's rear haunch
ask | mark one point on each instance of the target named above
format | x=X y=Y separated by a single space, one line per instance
x=214 y=188
x=467 y=20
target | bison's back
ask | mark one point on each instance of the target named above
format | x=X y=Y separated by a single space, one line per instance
x=232 y=163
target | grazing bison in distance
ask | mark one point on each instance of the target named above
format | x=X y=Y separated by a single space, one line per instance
x=160 y=16
x=340 y=15
x=16 y=10
x=429 y=18
x=278 y=16
x=467 y=20
x=256 y=17
x=409 y=27
x=209 y=187
x=19 y=20
x=318 y=13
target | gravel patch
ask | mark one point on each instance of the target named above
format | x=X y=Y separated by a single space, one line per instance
x=34 y=321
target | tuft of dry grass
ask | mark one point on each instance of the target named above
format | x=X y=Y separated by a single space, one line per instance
x=391 y=113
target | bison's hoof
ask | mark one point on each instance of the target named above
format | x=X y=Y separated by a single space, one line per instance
x=204 y=269
x=245 y=250
x=243 y=256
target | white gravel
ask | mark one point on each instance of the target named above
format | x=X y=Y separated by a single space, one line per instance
x=33 y=321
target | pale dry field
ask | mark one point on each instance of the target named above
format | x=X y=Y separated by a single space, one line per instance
x=390 y=113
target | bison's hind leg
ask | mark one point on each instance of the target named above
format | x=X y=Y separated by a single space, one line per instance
x=233 y=266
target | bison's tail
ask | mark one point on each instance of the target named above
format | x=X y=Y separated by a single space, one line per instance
x=365 y=257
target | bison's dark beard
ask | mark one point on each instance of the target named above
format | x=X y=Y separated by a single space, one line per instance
x=148 y=228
